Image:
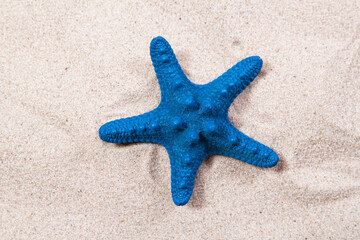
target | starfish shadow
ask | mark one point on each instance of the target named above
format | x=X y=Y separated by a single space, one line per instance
x=282 y=165
x=239 y=103
x=198 y=198
x=182 y=58
x=125 y=144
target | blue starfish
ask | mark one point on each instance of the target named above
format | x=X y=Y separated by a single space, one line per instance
x=191 y=121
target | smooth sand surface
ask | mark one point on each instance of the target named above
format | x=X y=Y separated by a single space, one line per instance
x=67 y=67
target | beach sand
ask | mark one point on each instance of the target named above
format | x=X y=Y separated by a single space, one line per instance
x=67 y=67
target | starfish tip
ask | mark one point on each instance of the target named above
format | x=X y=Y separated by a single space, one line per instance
x=273 y=159
x=255 y=63
x=105 y=132
x=159 y=45
x=181 y=200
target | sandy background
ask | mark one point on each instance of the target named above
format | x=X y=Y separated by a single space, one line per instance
x=67 y=67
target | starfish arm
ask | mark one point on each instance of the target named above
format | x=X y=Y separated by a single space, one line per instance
x=230 y=84
x=167 y=69
x=147 y=127
x=237 y=145
x=183 y=173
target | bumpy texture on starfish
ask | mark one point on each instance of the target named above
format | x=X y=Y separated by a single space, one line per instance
x=191 y=121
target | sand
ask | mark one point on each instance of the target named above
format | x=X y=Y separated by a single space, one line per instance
x=67 y=67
